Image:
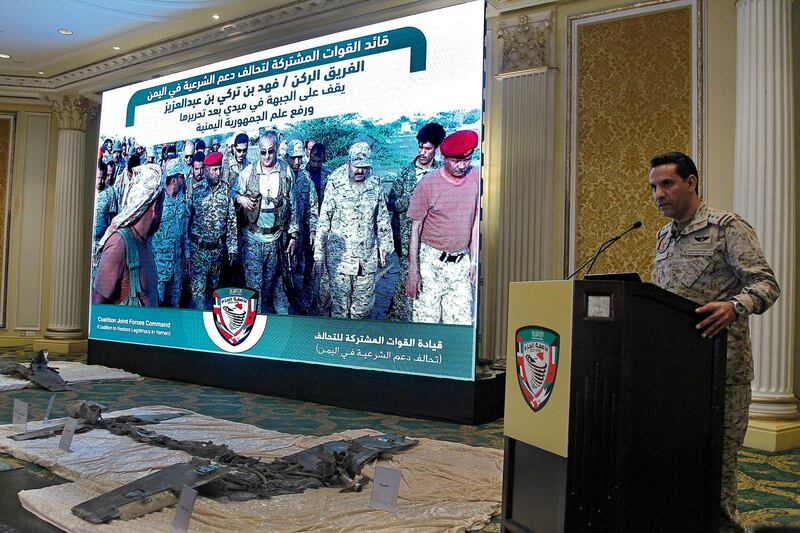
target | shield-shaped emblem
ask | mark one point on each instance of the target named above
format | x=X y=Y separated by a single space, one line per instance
x=235 y=311
x=537 y=362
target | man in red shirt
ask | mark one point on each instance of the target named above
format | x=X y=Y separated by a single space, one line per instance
x=443 y=250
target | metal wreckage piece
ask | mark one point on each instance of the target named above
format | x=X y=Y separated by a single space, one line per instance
x=215 y=470
x=218 y=472
x=89 y=417
x=37 y=372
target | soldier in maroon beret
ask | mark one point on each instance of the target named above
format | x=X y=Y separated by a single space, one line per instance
x=443 y=249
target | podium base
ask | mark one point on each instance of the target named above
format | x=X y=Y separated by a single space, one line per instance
x=773 y=435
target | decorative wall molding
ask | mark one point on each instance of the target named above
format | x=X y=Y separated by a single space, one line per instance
x=527 y=41
x=229 y=31
x=72 y=111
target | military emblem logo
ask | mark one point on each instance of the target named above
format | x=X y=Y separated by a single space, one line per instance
x=235 y=313
x=537 y=363
x=234 y=324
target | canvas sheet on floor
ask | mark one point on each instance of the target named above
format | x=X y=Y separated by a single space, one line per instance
x=73 y=373
x=444 y=486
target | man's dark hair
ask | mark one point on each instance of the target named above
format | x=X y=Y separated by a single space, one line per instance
x=134 y=161
x=684 y=166
x=172 y=149
x=241 y=138
x=199 y=145
x=198 y=156
x=431 y=133
x=318 y=150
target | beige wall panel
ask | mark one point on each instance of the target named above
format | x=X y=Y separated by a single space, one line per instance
x=33 y=187
x=7 y=132
x=633 y=100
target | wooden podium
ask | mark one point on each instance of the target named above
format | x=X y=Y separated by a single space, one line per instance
x=613 y=410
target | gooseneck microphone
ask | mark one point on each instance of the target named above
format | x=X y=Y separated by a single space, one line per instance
x=603 y=247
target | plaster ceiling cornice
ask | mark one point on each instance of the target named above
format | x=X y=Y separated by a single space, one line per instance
x=231 y=31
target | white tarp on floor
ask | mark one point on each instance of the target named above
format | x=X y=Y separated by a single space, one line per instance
x=444 y=486
x=73 y=373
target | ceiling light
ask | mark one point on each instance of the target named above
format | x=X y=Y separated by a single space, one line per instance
x=5 y=56
x=215 y=17
x=42 y=73
x=64 y=31
x=115 y=47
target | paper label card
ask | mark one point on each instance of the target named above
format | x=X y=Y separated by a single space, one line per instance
x=67 y=434
x=183 y=511
x=385 y=489
x=20 y=416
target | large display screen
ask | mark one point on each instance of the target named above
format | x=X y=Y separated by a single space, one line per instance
x=295 y=204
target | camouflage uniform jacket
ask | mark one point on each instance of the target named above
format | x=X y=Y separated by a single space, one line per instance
x=171 y=241
x=105 y=208
x=400 y=196
x=304 y=200
x=190 y=184
x=716 y=258
x=353 y=222
x=211 y=215
x=230 y=173
x=324 y=173
x=279 y=209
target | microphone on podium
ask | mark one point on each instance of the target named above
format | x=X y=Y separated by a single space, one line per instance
x=603 y=247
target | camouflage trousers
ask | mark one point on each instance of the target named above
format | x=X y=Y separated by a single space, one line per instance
x=401 y=308
x=204 y=275
x=303 y=279
x=169 y=289
x=446 y=294
x=352 y=296
x=261 y=265
x=323 y=307
x=737 y=403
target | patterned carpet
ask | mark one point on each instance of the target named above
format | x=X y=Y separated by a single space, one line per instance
x=769 y=483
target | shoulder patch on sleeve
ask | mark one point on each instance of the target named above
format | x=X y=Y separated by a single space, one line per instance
x=721 y=218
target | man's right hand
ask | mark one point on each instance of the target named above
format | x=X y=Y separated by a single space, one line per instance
x=246 y=202
x=413 y=283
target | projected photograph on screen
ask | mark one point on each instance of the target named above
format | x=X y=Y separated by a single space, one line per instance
x=316 y=202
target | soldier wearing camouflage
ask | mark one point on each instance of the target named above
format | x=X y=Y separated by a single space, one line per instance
x=319 y=174
x=195 y=172
x=304 y=198
x=105 y=207
x=264 y=193
x=713 y=258
x=212 y=232
x=171 y=241
x=354 y=235
x=429 y=138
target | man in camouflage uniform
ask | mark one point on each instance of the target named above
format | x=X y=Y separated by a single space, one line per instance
x=197 y=170
x=429 y=137
x=713 y=258
x=264 y=193
x=120 y=162
x=318 y=174
x=354 y=234
x=212 y=230
x=105 y=207
x=443 y=246
x=304 y=198
x=171 y=241
x=233 y=162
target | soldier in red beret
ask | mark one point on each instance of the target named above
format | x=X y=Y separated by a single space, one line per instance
x=443 y=250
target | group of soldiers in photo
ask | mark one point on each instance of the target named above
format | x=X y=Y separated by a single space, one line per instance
x=177 y=221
